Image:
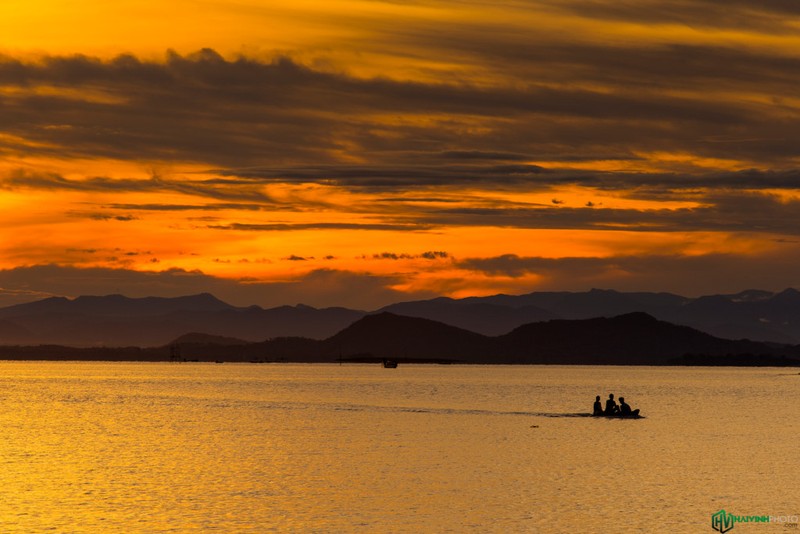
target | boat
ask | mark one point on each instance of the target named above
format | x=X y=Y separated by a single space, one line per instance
x=389 y=364
x=633 y=415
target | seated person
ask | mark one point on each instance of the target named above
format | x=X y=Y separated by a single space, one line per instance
x=598 y=407
x=624 y=409
x=611 y=405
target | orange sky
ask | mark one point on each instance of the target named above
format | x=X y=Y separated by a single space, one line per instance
x=360 y=152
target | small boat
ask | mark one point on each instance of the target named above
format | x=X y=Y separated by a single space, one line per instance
x=633 y=415
x=389 y=364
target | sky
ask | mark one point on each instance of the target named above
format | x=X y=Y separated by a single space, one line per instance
x=362 y=152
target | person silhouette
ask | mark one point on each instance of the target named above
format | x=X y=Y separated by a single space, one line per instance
x=598 y=407
x=611 y=405
x=624 y=409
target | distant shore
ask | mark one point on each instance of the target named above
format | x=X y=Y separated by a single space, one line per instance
x=214 y=354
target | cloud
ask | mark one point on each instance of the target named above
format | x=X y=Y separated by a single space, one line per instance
x=722 y=211
x=394 y=176
x=646 y=116
x=106 y=217
x=22 y=179
x=429 y=255
x=286 y=227
x=245 y=112
x=187 y=207
x=743 y=201
x=753 y=15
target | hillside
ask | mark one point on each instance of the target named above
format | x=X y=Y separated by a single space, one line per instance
x=115 y=320
x=752 y=314
x=631 y=339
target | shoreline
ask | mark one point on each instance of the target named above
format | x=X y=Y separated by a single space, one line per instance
x=69 y=355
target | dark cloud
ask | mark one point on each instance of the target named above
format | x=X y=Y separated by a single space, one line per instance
x=106 y=217
x=414 y=200
x=727 y=211
x=391 y=176
x=245 y=112
x=429 y=255
x=23 y=179
x=481 y=155
x=755 y=15
x=515 y=110
x=246 y=184
x=726 y=201
x=187 y=207
x=286 y=227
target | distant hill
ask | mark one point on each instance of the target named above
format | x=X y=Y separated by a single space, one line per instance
x=752 y=314
x=12 y=333
x=478 y=316
x=391 y=336
x=633 y=338
x=115 y=320
x=117 y=306
x=195 y=338
x=630 y=339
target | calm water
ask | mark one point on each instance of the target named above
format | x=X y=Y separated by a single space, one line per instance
x=112 y=447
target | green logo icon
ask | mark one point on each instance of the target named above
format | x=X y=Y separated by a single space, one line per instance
x=721 y=522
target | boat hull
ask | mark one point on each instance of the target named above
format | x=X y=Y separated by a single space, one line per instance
x=620 y=416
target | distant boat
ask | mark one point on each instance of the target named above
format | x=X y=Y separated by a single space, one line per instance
x=389 y=364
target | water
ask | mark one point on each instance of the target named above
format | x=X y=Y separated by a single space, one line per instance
x=135 y=447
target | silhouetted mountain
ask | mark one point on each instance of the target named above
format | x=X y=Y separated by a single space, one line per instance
x=747 y=330
x=499 y=314
x=787 y=297
x=750 y=295
x=386 y=335
x=607 y=303
x=14 y=334
x=481 y=317
x=117 y=306
x=635 y=338
x=757 y=316
x=115 y=320
x=584 y=305
x=754 y=314
x=195 y=338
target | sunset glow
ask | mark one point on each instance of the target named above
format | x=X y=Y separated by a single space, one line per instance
x=358 y=152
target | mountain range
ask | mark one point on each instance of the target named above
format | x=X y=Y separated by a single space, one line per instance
x=115 y=320
x=629 y=339
x=120 y=321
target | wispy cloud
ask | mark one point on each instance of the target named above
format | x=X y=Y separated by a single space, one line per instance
x=242 y=112
x=491 y=130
